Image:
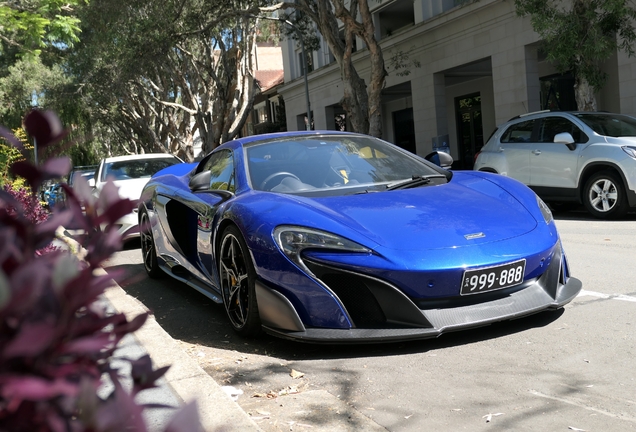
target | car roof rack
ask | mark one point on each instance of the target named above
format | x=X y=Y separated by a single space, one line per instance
x=534 y=112
x=530 y=113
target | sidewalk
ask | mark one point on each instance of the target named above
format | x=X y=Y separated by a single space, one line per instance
x=185 y=380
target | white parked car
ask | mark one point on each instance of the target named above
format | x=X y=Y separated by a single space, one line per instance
x=576 y=157
x=130 y=174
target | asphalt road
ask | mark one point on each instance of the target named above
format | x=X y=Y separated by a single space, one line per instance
x=572 y=369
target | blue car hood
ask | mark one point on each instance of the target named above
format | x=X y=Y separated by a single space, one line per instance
x=462 y=213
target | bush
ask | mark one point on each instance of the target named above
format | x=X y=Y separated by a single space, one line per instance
x=56 y=339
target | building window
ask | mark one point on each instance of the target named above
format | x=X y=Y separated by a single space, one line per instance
x=260 y=114
x=394 y=17
x=557 y=92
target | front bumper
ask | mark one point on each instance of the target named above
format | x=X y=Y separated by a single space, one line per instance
x=406 y=321
x=128 y=226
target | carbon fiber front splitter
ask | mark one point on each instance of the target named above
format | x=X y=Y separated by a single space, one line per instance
x=531 y=300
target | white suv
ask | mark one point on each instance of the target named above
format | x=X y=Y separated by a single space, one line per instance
x=578 y=157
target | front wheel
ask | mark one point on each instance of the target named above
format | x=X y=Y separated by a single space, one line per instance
x=604 y=196
x=148 y=251
x=238 y=278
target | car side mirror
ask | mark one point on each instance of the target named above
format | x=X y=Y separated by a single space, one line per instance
x=565 y=138
x=200 y=181
x=91 y=183
x=440 y=158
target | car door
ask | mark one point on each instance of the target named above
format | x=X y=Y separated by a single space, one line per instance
x=220 y=164
x=554 y=165
x=515 y=145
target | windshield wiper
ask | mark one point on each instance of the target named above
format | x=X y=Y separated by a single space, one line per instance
x=414 y=181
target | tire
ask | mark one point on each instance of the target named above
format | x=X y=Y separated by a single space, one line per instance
x=604 y=196
x=237 y=279
x=148 y=250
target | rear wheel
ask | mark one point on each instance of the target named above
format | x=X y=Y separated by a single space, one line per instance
x=604 y=196
x=238 y=278
x=148 y=251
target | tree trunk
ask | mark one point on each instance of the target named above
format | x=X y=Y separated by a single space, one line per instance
x=362 y=103
x=378 y=71
x=584 y=94
x=355 y=98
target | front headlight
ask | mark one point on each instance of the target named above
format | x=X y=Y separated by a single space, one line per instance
x=545 y=210
x=292 y=240
x=631 y=151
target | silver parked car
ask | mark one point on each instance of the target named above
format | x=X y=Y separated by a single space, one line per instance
x=569 y=157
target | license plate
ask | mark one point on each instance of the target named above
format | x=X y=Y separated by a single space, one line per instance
x=493 y=278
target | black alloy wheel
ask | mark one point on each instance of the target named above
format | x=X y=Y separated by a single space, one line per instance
x=237 y=277
x=148 y=251
x=604 y=196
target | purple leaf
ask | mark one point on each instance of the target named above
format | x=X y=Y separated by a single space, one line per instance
x=29 y=172
x=88 y=345
x=57 y=167
x=17 y=388
x=57 y=219
x=44 y=126
x=31 y=340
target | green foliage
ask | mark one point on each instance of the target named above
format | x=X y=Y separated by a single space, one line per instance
x=28 y=82
x=579 y=35
x=9 y=155
x=31 y=25
x=303 y=28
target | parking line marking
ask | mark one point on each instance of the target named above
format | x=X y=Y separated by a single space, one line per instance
x=622 y=297
x=620 y=416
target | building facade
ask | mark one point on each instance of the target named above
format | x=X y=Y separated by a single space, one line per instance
x=479 y=65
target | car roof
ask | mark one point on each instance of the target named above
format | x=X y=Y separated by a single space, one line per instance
x=572 y=113
x=144 y=156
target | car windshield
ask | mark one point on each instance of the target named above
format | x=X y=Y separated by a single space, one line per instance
x=613 y=125
x=88 y=172
x=335 y=163
x=136 y=168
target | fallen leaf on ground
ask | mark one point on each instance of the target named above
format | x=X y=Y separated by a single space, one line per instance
x=270 y=395
x=295 y=374
x=288 y=391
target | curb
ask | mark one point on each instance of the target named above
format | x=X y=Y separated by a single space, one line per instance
x=217 y=411
x=185 y=378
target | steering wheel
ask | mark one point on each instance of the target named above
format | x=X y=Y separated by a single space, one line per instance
x=277 y=174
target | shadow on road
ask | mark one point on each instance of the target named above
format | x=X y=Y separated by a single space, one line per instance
x=579 y=213
x=191 y=317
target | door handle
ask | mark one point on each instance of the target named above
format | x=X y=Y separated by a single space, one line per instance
x=501 y=149
x=537 y=152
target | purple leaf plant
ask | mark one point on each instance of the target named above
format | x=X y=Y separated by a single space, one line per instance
x=56 y=339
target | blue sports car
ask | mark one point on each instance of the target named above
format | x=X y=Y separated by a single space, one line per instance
x=326 y=236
